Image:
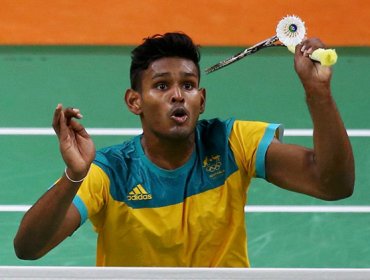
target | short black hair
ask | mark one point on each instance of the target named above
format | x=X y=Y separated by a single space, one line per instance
x=173 y=44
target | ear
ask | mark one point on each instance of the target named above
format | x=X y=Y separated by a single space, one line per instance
x=202 y=92
x=133 y=101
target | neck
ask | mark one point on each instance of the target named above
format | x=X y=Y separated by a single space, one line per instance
x=168 y=153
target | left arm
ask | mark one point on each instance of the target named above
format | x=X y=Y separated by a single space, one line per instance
x=327 y=170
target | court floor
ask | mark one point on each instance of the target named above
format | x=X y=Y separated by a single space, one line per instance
x=263 y=87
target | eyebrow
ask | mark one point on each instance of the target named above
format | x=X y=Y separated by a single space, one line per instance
x=166 y=74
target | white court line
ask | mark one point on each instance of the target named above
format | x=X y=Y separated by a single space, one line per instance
x=136 y=131
x=50 y=131
x=179 y=273
x=306 y=209
x=309 y=132
x=14 y=208
x=253 y=209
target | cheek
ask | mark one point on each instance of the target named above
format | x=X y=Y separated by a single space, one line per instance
x=196 y=100
x=153 y=109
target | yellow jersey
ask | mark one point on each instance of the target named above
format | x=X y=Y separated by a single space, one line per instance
x=192 y=216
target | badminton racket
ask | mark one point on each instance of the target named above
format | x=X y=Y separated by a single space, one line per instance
x=290 y=31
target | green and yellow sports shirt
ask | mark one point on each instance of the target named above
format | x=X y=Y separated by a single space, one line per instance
x=192 y=216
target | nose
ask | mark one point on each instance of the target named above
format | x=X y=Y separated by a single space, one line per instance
x=177 y=95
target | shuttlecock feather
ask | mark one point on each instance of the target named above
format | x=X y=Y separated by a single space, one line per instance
x=290 y=30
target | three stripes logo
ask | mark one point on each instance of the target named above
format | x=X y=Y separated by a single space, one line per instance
x=139 y=193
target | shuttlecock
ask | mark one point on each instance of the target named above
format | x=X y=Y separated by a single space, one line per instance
x=290 y=30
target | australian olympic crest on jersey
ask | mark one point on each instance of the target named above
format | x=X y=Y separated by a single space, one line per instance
x=213 y=165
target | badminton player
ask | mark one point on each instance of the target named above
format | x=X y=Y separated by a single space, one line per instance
x=175 y=195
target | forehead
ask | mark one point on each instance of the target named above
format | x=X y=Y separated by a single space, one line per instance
x=171 y=66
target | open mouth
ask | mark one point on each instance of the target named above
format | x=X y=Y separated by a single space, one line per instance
x=179 y=115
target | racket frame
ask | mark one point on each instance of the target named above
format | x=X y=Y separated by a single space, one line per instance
x=270 y=42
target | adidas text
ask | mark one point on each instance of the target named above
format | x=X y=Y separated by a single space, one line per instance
x=139 y=197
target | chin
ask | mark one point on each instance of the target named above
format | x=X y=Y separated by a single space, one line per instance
x=181 y=132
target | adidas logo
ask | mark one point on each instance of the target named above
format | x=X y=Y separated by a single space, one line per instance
x=139 y=193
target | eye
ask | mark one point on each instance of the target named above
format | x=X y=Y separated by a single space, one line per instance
x=161 y=86
x=188 y=86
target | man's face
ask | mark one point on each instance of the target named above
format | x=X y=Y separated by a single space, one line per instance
x=171 y=100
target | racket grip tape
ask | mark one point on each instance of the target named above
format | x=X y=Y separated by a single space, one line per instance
x=326 y=57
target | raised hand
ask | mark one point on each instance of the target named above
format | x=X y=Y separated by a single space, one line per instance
x=76 y=146
x=313 y=75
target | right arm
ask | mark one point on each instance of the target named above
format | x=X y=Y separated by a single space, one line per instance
x=53 y=217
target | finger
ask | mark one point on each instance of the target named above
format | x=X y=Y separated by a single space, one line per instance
x=70 y=113
x=299 y=50
x=74 y=113
x=63 y=126
x=79 y=129
x=305 y=48
x=56 y=118
x=308 y=51
x=313 y=43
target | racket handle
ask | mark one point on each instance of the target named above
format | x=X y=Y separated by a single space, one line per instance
x=326 y=57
